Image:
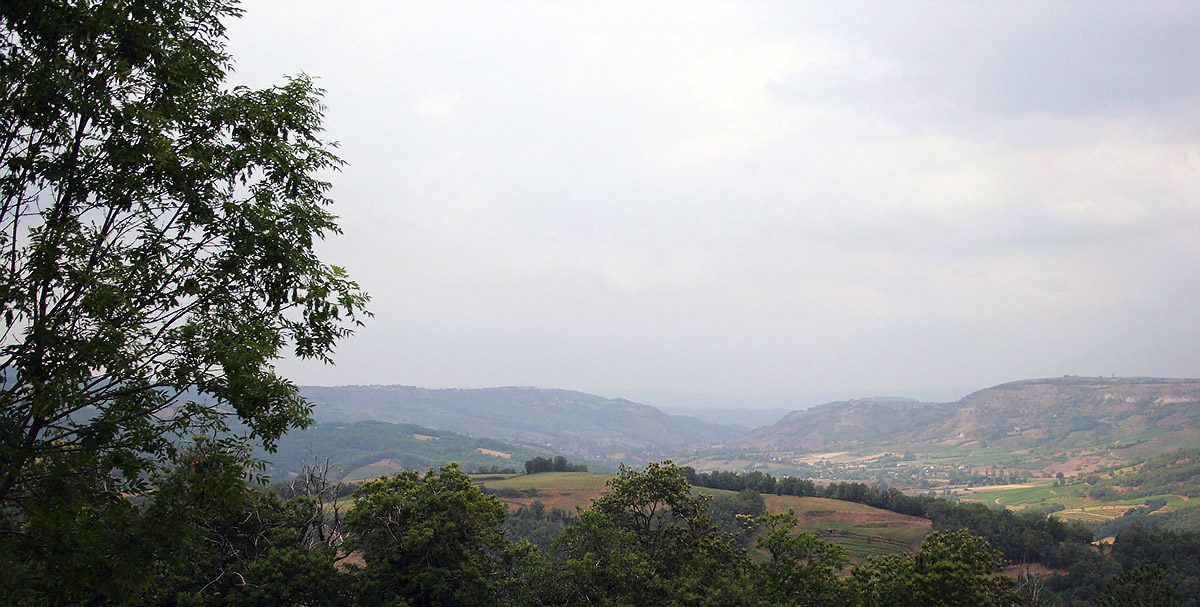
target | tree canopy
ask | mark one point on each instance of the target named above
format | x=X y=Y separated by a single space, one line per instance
x=156 y=239
x=157 y=232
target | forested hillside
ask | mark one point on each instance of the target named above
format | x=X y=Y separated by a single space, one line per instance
x=845 y=424
x=563 y=421
x=1033 y=427
x=361 y=450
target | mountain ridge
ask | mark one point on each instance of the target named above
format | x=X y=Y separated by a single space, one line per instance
x=1127 y=417
x=566 y=421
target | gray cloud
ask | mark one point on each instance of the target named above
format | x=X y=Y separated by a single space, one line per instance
x=761 y=198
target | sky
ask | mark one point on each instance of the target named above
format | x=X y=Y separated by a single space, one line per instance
x=754 y=203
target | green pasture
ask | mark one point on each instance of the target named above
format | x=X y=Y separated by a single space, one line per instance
x=1075 y=507
x=550 y=481
x=864 y=531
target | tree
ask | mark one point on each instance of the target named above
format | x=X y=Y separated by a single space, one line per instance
x=802 y=569
x=428 y=540
x=226 y=542
x=1143 y=586
x=649 y=541
x=732 y=512
x=156 y=241
x=952 y=569
x=203 y=536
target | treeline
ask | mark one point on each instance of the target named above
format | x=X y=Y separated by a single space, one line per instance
x=1151 y=516
x=494 y=469
x=1022 y=537
x=204 y=536
x=1157 y=562
x=755 y=481
x=987 y=479
x=351 y=446
x=650 y=540
x=557 y=463
x=1174 y=473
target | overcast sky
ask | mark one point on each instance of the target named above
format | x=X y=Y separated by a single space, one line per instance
x=755 y=198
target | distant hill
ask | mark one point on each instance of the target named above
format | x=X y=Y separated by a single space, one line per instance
x=845 y=424
x=1078 y=412
x=368 y=449
x=566 y=422
x=745 y=419
x=1127 y=417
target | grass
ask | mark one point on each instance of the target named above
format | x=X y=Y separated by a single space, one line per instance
x=551 y=481
x=862 y=530
x=1040 y=492
x=1075 y=507
x=565 y=490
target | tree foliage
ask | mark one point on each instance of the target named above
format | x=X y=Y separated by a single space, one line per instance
x=557 y=463
x=801 y=568
x=649 y=541
x=156 y=256
x=428 y=540
x=953 y=569
x=156 y=239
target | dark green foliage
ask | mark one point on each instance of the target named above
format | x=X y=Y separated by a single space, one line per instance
x=649 y=541
x=1177 y=553
x=732 y=514
x=495 y=470
x=1180 y=518
x=1144 y=586
x=291 y=576
x=157 y=235
x=756 y=481
x=537 y=525
x=801 y=569
x=70 y=548
x=204 y=536
x=156 y=241
x=428 y=540
x=1172 y=473
x=558 y=463
x=232 y=544
x=951 y=570
x=1022 y=537
x=350 y=446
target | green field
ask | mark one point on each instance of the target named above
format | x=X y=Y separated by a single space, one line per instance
x=864 y=531
x=565 y=490
x=1043 y=494
x=551 y=481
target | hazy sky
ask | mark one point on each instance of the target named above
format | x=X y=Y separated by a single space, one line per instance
x=764 y=198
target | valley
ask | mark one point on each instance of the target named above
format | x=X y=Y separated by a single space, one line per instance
x=1059 y=446
x=1030 y=431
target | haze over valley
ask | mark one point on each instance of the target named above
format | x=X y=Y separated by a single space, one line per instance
x=1030 y=428
x=506 y=304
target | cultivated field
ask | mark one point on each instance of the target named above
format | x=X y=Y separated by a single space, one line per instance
x=565 y=490
x=1043 y=494
x=864 y=531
